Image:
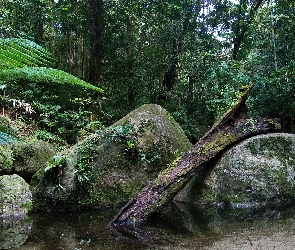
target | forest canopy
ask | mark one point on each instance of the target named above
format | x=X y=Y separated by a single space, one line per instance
x=191 y=57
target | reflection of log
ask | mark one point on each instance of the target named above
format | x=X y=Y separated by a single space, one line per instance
x=231 y=128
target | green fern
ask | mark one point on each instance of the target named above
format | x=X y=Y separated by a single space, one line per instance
x=44 y=75
x=24 y=60
x=7 y=139
x=17 y=53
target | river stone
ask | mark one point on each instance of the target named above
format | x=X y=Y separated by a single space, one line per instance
x=257 y=172
x=15 y=196
x=6 y=159
x=29 y=156
x=14 y=231
x=109 y=167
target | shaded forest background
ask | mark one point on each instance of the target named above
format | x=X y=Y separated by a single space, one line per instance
x=191 y=57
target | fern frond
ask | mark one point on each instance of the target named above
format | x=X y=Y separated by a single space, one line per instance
x=15 y=52
x=7 y=139
x=43 y=75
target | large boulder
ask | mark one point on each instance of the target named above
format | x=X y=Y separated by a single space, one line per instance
x=25 y=157
x=14 y=231
x=29 y=156
x=110 y=166
x=6 y=159
x=257 y=172
x=15 y=196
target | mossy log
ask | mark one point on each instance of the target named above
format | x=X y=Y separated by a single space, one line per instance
x=233 y=127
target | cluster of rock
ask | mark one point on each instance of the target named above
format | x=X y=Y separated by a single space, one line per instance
x=19 y=161
x=111 y=166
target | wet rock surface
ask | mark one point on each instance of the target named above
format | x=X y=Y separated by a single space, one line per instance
x=14 y=231
x=109 y=167
x=15 y=196
x=257 y=172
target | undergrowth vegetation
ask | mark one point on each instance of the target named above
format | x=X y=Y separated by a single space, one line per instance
x=58 y=106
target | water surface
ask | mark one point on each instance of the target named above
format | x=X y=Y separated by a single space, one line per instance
x=178 y=226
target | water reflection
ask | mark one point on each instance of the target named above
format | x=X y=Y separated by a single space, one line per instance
x=14 y=231
x=177 y=226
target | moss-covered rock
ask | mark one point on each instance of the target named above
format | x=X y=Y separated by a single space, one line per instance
x=15 y=196
x=6 y=159
x=29 y=156
x=259 y=171
x=111 y=166
x=14 y=231
x=24 y=158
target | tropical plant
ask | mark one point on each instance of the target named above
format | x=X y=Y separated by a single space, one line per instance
x=7 y=139
x=20 y=59
x=17 y=53
x=26 y=75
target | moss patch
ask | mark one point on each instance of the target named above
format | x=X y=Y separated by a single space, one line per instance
x=15 y=196
x=258 y=171
x=6 y=160
x=112 y=165
x=30 y=156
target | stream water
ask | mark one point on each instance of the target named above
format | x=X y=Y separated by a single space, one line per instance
x=178 y=227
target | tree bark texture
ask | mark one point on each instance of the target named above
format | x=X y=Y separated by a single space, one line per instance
x=243 y=26
x=96 y=33
x=233 y=127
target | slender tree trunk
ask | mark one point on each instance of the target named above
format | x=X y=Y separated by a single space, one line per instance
x=242 y=27
x=171 y=75
x=130 y=87
x=38 y=21
x=96 y=33
x=273 y=37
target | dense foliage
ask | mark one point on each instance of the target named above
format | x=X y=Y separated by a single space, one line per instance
x=55 y=99
x=189 y=56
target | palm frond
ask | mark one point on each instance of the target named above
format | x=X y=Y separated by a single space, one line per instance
x=44 y=75
x=16 y=53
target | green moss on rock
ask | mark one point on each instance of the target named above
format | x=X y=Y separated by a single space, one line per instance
x=256 y=172
x=6 y=159
x=15 y=196
x=29 y=156
x=111 y=166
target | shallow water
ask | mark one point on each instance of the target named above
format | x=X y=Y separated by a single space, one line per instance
x=177 y=227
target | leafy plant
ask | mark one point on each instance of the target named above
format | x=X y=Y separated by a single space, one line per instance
x=56 y=98
x=18 y=53
x=83 y=168
x=7 y=139
x=44 y=75
x=54 y=162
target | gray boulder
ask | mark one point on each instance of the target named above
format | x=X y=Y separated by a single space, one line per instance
x=24 y=158
x=6 y=159
x=110 y=166
x=15 y=196
x=14 y=231
x=257 y=172
x=29 y=156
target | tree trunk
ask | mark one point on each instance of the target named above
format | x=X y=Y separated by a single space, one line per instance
x=171 y=75
x=243 y=26
x=96 y=27
x=233 y=127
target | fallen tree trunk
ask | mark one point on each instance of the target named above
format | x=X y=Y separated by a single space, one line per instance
x=233 y=127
